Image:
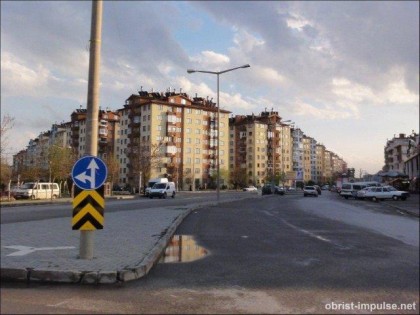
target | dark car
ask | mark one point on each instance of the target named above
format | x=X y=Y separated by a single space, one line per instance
x=267 y=189
x=278 y=190
x=318 y=189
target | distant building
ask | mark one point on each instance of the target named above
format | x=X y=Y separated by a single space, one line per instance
x=395 y=152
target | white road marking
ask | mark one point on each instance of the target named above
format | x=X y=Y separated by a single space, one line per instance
x=24 y=250
x=311 y=234
x=268 y=213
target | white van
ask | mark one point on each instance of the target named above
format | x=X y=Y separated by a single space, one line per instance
x=152 y=182
x=35 y=190
x=162 y=190
x=351 y=189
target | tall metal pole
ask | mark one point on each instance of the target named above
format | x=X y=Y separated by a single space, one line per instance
x=86 y=237
x=218 y=140
x=218 y=73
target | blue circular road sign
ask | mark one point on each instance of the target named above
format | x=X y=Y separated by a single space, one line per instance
x=89 y=172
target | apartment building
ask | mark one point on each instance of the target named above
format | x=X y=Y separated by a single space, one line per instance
x=171 y=135
x=339 y=166
x=395 y=152
x=298 y=154
x=328 y=164
x=107 y=121
x=261 y=147
x=309 y=159
x=320 y=163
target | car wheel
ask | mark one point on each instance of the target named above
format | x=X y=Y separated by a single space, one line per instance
x=395 y=198
x=304 y=195
x=346 y=197
x=403 y=198
x=164 y=196
x=150 y=197
x=374 y=199
x=32 y=197
x=173 y=195
x=316 y=196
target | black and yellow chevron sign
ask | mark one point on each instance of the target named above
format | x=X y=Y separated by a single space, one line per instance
x=88 y=209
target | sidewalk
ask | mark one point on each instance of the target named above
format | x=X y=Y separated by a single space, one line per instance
x=126 y=249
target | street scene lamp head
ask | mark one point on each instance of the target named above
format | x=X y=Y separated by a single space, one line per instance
x=190 y=71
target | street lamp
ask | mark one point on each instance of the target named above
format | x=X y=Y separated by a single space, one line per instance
x=218 y=73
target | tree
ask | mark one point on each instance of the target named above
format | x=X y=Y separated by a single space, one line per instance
x=238 y=178
x=113 y=167
x=61 y=161
x=144 y=158
x=6 y=171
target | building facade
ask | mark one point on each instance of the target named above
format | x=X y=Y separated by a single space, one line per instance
x=176 y=136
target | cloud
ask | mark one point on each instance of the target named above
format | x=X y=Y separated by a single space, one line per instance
x=329 y=112
x=209 y=60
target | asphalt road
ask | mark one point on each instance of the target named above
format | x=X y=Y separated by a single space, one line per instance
x=275 y=254
x=39 y=210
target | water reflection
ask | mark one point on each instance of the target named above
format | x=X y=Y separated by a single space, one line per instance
x=182 y=248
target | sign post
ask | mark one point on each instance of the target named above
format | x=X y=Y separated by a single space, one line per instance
x=89 y=174
x=86 y=237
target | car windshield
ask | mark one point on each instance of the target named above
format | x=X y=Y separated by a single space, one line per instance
x=392 y=189
x=310 y=188
x=152 y=184
x=28 y=186
x=159 y=186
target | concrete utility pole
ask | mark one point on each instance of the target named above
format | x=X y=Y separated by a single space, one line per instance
x=86 y=237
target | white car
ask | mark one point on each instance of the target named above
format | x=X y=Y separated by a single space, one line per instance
x=310 y=191
x=385 y=192
x=250 y=188
x=361 y=193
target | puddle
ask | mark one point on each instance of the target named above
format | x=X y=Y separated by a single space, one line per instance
x=182 y=248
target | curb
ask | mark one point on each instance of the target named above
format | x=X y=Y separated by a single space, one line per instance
x=404 y=210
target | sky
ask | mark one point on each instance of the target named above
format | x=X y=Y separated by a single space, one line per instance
x=346 y=73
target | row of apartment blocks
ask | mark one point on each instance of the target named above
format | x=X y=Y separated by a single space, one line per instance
x=182 y=132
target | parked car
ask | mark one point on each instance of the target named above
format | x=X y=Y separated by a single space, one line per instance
x=385 y=192
x=325 y=187
x=291 y=189
x=267 y=189
x=279 y=190
x=361 y=193
x=38 y=190
x=350 y=189
x=310 y=191
x=250 y=188
x=152 y=182
x=162 y=190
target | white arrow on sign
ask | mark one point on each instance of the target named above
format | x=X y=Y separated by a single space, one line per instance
x=83 y=177
x=24 y=250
